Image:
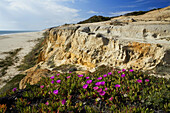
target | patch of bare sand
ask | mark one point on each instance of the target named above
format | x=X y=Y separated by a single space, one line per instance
x=26 y=41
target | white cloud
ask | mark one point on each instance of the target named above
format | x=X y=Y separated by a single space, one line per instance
x=35 y=14
x=119 y=13
x=92 y=12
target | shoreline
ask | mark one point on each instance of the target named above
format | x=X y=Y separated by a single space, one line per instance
x=16 y=32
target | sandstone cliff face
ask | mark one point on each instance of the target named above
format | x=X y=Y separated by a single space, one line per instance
x=140 y=45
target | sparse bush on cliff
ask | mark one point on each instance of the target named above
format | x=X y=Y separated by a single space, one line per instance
x=95 y=19
x=114 y=91
x=136 y=13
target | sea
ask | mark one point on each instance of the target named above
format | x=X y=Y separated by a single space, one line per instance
x=12 y=32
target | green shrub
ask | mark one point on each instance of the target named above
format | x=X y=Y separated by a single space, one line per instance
x=31 y=58
x=12 y=83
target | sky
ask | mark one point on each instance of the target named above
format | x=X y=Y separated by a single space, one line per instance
x=42 y=14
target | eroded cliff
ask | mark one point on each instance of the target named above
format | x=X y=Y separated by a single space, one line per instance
x=137 y=46
x=140 y=45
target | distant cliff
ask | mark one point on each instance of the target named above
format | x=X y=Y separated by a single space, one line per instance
x=119 y=43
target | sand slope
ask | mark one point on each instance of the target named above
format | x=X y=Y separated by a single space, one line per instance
x=26 y=41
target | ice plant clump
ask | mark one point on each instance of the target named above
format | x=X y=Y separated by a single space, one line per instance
x=139 y=81
x=102 y=83
x=63 y=101
x=55 y=92
x=89 y=81
x=42 y=86
x=123 y=70
x=102 y=93
x=52 y=81
x=68 y=76
x=58 y=81
x=58 y=74
x=117 y=85
x=85 y=86
x=111 y=98
x=99 y=90
x=95 y=88
x=146 y=80
x=109 y=73
x=14 y=89
x=131 y=70
x=119 y=71
x=123 y=75
x=87 y=77
x=80 y=75
x=105 y=75
x=52 y=77
x=47 y=103
x=99 y=78
x=98 y=83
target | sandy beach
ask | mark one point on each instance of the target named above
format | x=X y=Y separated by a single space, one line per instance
x=10 y=42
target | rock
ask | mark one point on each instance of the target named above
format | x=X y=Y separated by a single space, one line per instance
x=33 y=77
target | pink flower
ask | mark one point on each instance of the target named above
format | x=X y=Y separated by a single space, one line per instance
x=47 y=103
x=131 y=70
x=63 y=101
x=89 y=81
x=139 y=81
x=55 y=92
x=85 y=86
x=42 y=86
x=58 y=74
x=95 y=88
x=52 y=77
x=99 y=90
x=102 y=83
x=109 y=73
x=146 y=80
x=105 y=89
x=105 y=75
x=119 y=71
x=52 y=81
x=102 y=93
x=68 y=76
x=123 y=70
x=111 y=98
x=58 y=81
x=123 y=75
x=80 y=75
x=14 y=89
x=99 y=78
x=70 y=72
x=117 y=85
x=87 y=77
x=98 y=83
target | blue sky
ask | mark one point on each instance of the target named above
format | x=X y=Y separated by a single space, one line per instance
x=41 y=14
